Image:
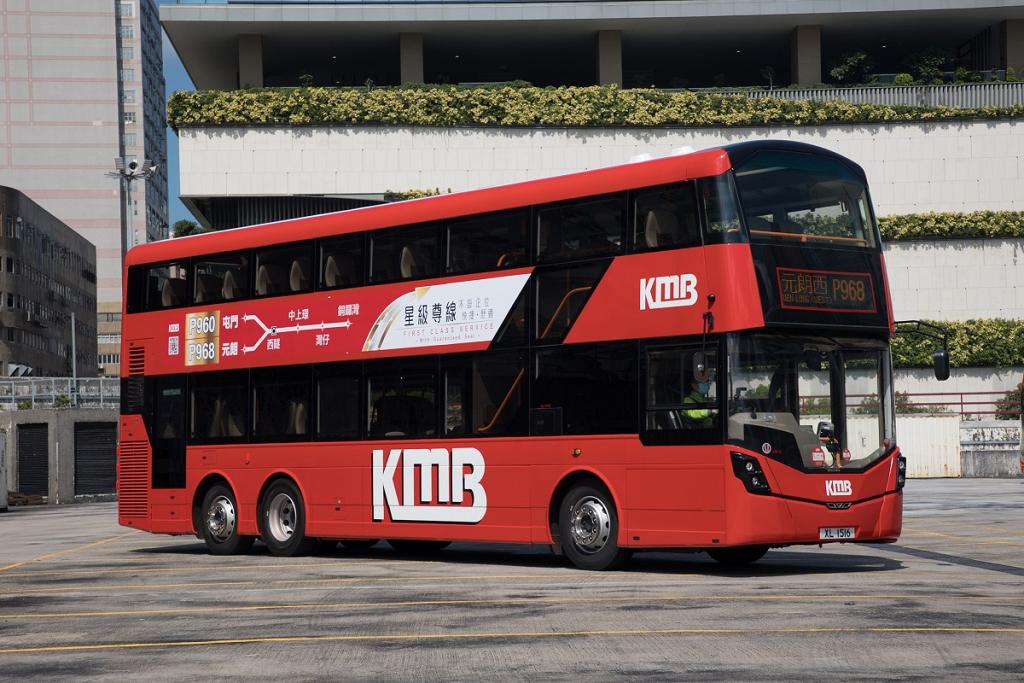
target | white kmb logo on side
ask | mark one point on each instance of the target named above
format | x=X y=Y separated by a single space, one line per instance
x=668 y=291
x=838 y=487
x=453 y=481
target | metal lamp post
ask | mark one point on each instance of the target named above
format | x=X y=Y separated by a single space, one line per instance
x=130 y=170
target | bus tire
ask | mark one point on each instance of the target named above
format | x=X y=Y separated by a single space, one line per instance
x=283 y=520
x=359 y=543
x=588 y=526
x=218 y=523
x=409 y=547
x=738 y=556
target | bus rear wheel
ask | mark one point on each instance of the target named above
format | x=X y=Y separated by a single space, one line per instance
x=738 y=556
x=219 y=523
x=588 y=526
x=409 y=547
x=283 y=520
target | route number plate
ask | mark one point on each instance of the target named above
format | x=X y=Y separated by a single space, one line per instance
x=835 y=533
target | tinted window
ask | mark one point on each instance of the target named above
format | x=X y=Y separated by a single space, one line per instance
x=404 y=254
x=722 y=215
x=217 y=409
x=280 y=403
x=337 y=401
x=795 y=197
x=224 y=277
x=591 y=227
x=561 y=295
x=666 y=217
x=341 y=262
x=487 y=242
x=401 y=403
x=593 y=389
x=166 y=286
x=168 y=431
x=284 y=270
x=486 y=395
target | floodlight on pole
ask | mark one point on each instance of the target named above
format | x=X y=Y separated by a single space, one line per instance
x=128 y=170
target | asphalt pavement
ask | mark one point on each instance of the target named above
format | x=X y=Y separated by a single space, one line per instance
x=83 y=598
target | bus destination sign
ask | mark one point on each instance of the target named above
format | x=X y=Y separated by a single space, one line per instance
x=822 y=290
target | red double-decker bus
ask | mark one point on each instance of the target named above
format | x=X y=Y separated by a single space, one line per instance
x=626 y=358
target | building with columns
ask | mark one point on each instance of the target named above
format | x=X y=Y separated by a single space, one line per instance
x=644 y=43
x=81 y=83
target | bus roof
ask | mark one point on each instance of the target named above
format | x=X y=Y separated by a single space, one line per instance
x=657 y=171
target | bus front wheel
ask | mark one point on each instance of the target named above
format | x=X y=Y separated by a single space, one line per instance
x=219 y=523
x=588 y=526
x=283 y=520
x=738 y=556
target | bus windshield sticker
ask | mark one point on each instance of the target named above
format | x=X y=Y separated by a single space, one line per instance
x=822 y=290
x=452 y=313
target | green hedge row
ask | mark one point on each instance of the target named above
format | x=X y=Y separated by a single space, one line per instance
x=994 y=342
x=952 y=225
x=531 y=106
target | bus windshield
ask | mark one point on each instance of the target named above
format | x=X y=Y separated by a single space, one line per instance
x=798 y=197
x=810 y=402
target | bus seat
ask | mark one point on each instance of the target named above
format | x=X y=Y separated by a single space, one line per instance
x=230 y=289
x=172 y=293
x=298 y=278
x=339 y=270
x=297 y=418
x=332 y=274
x=269 y=279
x=407 y=263
x=206 y=285
x=662 y=227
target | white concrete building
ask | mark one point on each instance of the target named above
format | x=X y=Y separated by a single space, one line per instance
x=81 y=84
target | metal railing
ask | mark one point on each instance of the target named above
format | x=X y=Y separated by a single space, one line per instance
x=59 y=392
x=967 y=404
x=998 y=94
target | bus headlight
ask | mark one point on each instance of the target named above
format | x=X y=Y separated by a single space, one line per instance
x=748 y=470
x=901 y=472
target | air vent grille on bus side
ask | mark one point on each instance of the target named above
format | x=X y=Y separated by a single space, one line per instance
x=133 y=479
x=136 y=361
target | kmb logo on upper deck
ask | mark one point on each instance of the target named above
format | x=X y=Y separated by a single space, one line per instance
x=668 y=291
x=838 y=487
x=453 y=482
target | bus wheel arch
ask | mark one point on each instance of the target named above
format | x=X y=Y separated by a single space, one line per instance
x=282 y=516
x=596 y=487
x=215 y=517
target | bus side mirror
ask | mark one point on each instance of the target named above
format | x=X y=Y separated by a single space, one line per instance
x=940 y=362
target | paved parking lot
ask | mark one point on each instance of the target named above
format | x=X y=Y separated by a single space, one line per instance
x=81 y=597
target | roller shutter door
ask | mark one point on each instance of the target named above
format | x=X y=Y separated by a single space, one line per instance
x=95 y=457
x=33 y=459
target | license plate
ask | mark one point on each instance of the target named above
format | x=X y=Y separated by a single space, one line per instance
x=835 y=533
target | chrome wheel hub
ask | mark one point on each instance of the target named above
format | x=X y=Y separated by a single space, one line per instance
x=281 y=518
x=590 y=524
x=220 y=519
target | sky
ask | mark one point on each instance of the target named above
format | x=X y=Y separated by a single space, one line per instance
x=176 y=78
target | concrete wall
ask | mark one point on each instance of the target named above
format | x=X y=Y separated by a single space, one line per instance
x=991 y=448
x=955 y=166
x=61 y=430
x=957 y=279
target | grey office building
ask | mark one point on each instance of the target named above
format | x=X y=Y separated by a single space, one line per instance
x=82 y=83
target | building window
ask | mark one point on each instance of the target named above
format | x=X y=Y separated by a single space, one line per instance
x=126 y=31
x=130 y=117
x=127 y=53
x=128 y=97
x=129 y=140
x=125 y=9
x=127 y=74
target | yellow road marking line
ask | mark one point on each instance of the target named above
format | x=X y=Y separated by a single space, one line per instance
x=76 y=548
x=279 y=582
x=208 y=568
x=505 y=635
x=455 y=602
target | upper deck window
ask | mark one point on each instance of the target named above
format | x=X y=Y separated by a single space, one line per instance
x=223 y=277
x=666 y=217
x=580 y=229
x=804 y=198
x=166 y=286
x=284 y=269
x=487 y=242
x=404 y=254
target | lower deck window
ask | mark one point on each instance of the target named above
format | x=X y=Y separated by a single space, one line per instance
x=402 y=404
x=217 y=409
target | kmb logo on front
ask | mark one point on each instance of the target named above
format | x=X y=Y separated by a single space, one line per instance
x=838 y=487
x=668 y=291
x=453 y=482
